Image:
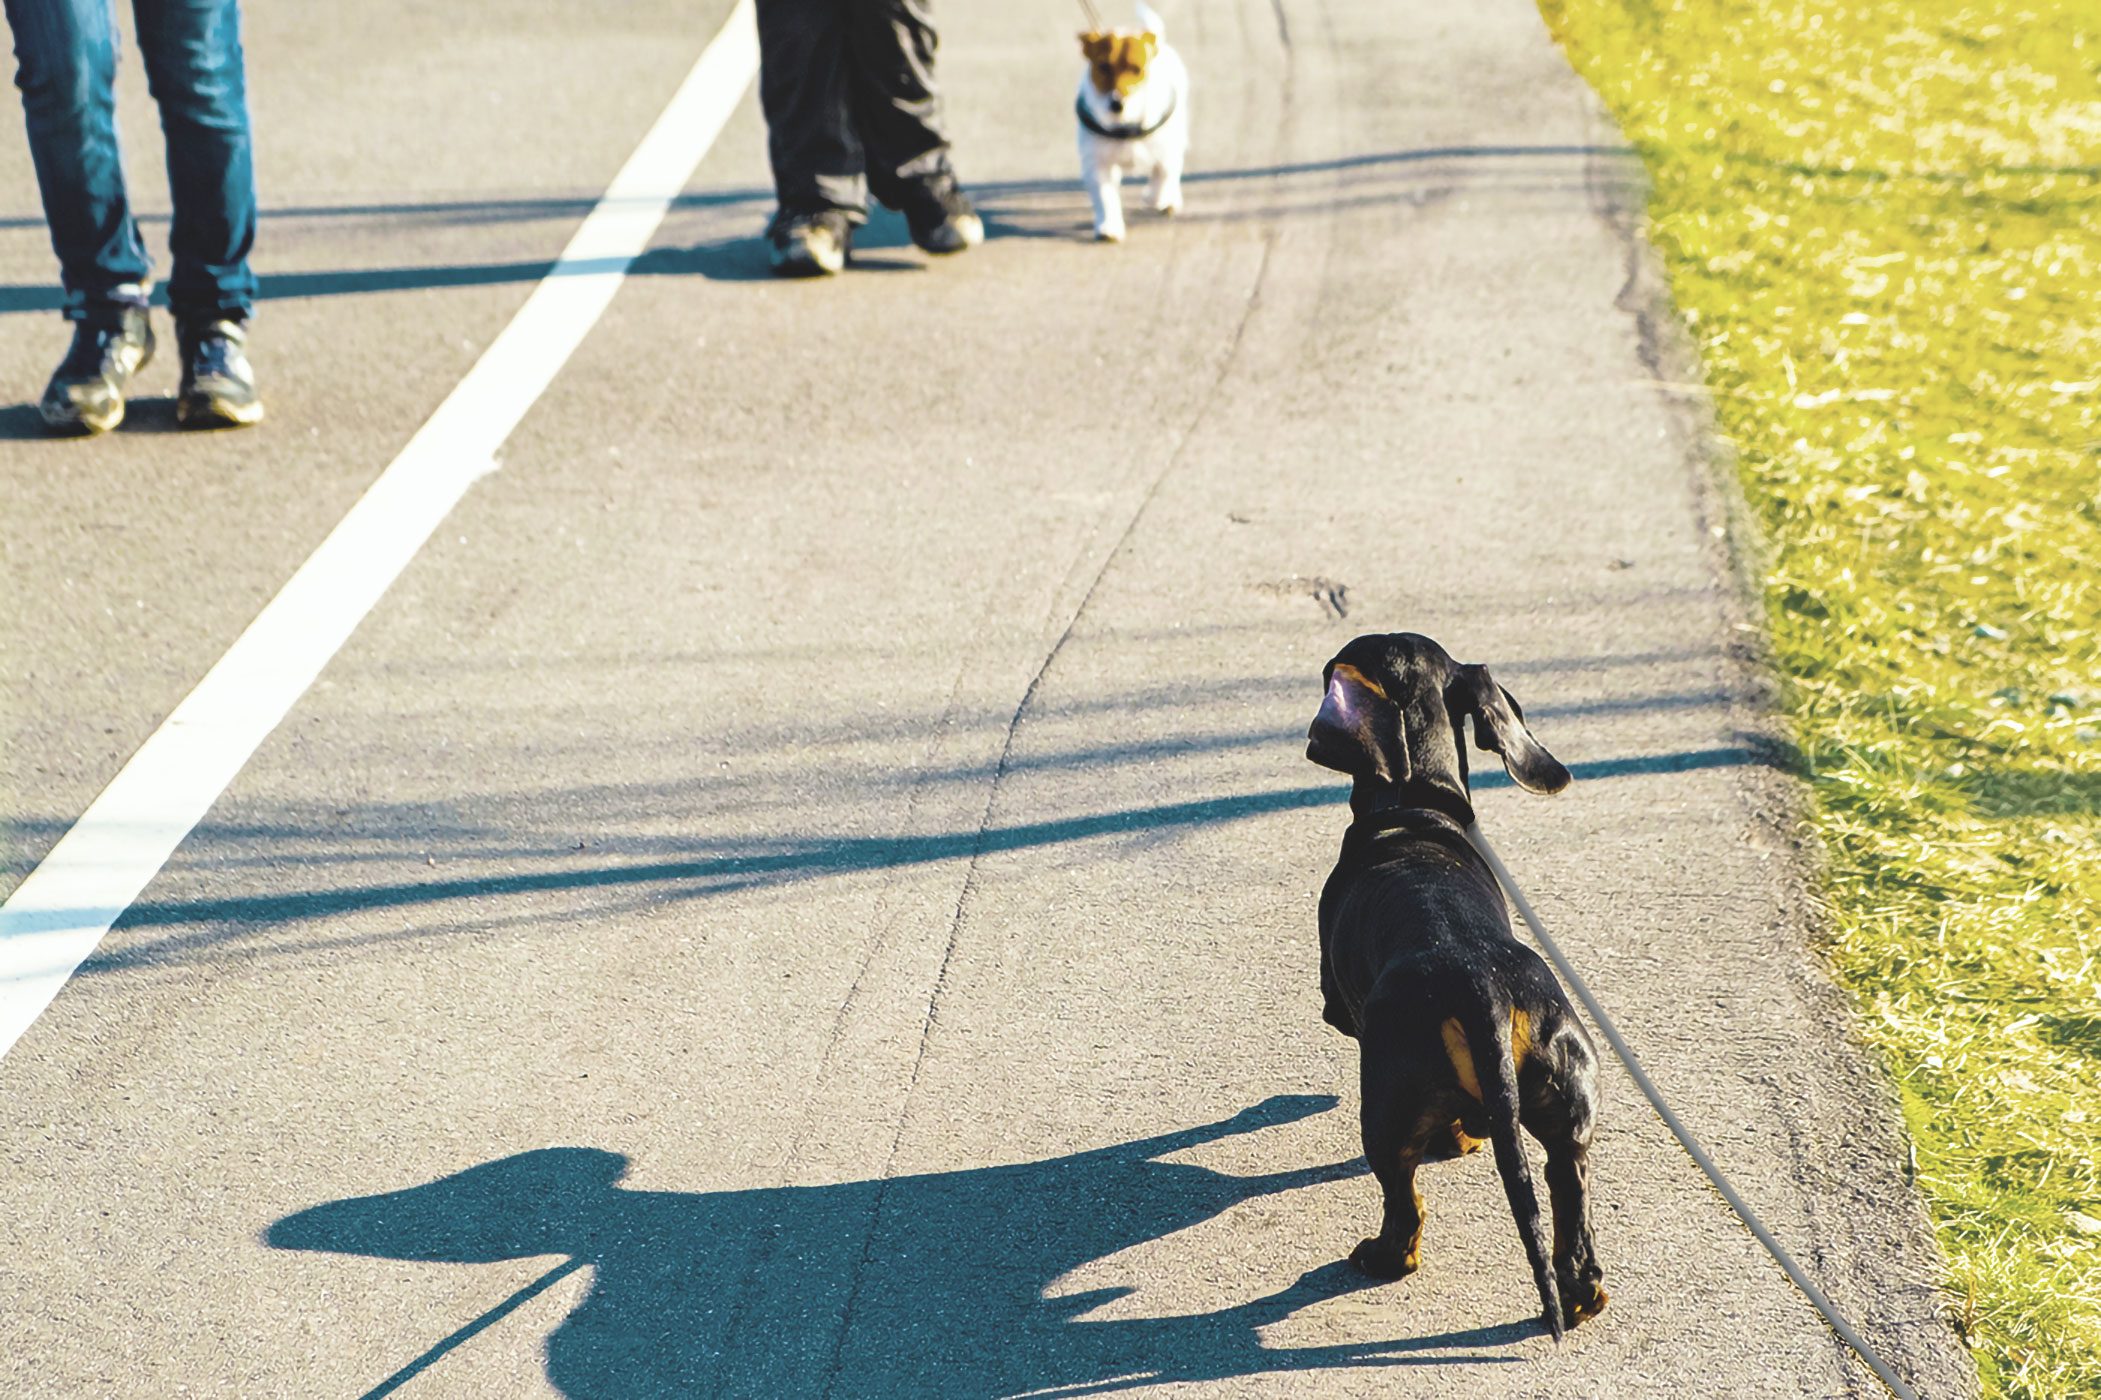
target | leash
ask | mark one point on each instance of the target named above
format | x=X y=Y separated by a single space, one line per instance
x=1684 y=1135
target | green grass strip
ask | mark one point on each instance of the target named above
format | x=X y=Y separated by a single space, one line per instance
x=1882 y=226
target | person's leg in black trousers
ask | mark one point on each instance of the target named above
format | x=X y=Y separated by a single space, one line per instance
x=844 y=83
x=897 y=111
x=820 y=188
x=804 y=89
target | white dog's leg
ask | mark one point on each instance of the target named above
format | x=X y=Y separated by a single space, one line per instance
x=1103 y=180
x=1166 y=193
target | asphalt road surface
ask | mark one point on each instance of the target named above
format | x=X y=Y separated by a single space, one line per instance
x=805 y=885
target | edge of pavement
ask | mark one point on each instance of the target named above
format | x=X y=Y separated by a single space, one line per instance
x=1874 y=1279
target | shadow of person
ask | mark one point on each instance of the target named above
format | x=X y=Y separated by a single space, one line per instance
x=914 y=1285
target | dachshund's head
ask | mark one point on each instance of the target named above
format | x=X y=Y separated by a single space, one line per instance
x=1393 y=719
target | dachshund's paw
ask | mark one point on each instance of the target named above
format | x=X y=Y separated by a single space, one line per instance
x=1582 y=1300
x=1382 y=1260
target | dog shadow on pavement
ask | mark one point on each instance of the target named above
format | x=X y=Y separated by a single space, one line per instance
x=913 y=1285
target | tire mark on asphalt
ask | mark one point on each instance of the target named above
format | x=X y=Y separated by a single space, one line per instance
x=886 y=918
x=748 y=1284
x=984 y=827
x=1117 y=551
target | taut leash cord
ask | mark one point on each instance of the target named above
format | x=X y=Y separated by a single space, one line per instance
x=1678 y=1129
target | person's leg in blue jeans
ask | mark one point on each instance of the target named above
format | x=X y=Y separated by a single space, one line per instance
x=195 y=71
x=66 y=67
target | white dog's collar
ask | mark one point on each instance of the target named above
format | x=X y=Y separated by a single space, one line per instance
x=1121 y=133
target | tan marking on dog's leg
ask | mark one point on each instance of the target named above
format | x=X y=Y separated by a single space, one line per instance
x=1413 y=1259
x=1462 y=1058
x=1462 y=1055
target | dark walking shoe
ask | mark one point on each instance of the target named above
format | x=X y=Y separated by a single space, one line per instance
x=810 y=244
x=86 y=393
x=942 y=218
x=218 y=387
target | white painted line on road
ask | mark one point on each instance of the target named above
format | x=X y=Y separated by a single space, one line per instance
x=57 y=916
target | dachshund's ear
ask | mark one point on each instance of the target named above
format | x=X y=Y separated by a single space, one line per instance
x=1358 y=730
x=1499 y=728
x=1093 y=43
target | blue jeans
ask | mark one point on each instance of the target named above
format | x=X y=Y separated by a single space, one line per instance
x=67 y=56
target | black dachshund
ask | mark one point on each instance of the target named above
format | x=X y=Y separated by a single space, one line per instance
x=1463 y=1031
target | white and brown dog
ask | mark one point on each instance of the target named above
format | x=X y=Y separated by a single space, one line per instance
x=1134 y=120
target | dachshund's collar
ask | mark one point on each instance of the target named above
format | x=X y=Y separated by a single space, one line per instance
x=1424 y=808
x=1122 y=133
x=1440 y=818
x=1406 y=821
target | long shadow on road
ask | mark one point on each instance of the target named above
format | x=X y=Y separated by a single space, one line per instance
x=738 y=259
x=210 y=923
x=934 y=1284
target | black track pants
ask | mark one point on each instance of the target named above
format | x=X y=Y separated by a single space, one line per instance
x=851 y=109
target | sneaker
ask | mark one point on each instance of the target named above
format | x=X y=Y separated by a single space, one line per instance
x=942 y=218
x=86 y=392
x=810 y=244
x=218 y=386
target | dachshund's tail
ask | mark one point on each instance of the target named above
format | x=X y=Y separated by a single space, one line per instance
x=1498 y=1036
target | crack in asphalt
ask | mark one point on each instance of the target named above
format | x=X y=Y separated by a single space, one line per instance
x=970 y=873
x=1116 y=552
